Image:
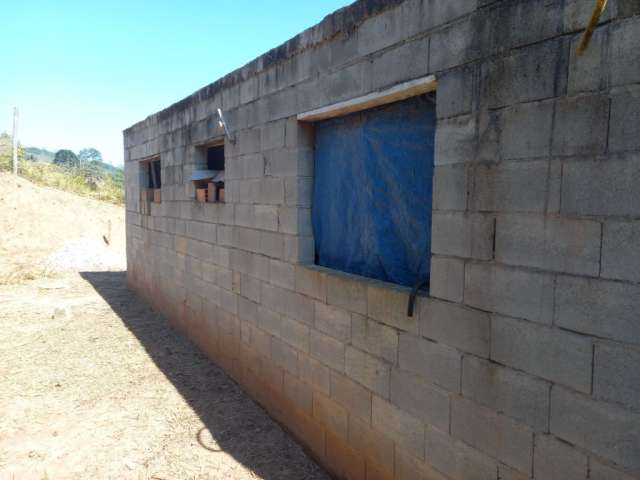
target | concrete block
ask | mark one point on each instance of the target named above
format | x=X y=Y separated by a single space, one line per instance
x=374 y=444
x=404 y=429
x=624 y=56
x=314 y=373
x=553 y=354
x=291 y=162
x=299 y=393
x=557 y=460
x=511 y=186
x=620 y=255
x=298 y=191
x=344 y=460
x=580 y=126
x=556 y=244
x=455 y=90
x=517 y=395
x=330 y=414
x=457 y=326
x=454 y=45
x=268 y=320
x=351 y=395
x=279 y=300
x=271 y=191
x=531 y=73
x=616 y=376
x=298 y=134
x=462 y=235
x=273 y=135
x=367 y=370
x=229 y=301
x=402 y=63
x=535 y=118
x=588 y=72
x=294 y=333
x=295 y=220
x=425 y=402
x=597 y=307
x=266 y=217
x=312 y=282
x=447 y=278
x=450 y=187
x=505 y=472
x=305 y=309
x=247 y=310
x=434 y=362
x=347 y=291
x=605 y=430
x=333 y=321
x=380 y=31
x=410 y=468
x=457 y=460
x=600 y=471
x=260 y=342
x=577 y=14
x=516 y=293
x=543 y=21
x=456 y=140
x=284 y=356
x=327 y=350
x=623 y=132
x=282 y=274
x=271 y=244
x=387 y=304
x=299 y=249
x=375 y=338
x=492 y=433
x=601 y=187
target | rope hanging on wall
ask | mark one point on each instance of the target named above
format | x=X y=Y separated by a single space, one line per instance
x=595 y=17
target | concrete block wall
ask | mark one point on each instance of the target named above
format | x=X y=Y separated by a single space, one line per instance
x=522 y=362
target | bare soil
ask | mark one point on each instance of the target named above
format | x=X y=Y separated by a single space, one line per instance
x=94 y=384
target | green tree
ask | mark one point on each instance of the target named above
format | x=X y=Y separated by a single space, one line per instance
x=93 y=173
x=66 y=158
x=87 y=155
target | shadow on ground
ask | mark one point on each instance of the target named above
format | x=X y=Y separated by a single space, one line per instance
x=234 y=423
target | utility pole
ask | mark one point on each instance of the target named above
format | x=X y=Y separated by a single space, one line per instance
x=15 y=140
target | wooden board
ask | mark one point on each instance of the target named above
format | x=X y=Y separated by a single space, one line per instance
x=372 y=100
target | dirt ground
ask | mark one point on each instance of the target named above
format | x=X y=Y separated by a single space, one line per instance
x=94 y=384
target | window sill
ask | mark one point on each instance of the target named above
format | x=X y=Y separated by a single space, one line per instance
x=385 y=302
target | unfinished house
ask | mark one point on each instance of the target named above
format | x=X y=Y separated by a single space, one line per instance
x=412 y=233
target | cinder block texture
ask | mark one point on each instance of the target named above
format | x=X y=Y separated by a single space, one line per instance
x=556 y=460
x=608 y=431
x=520 y=361
x=548 y=353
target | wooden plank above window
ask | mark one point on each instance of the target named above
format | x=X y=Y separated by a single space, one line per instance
x=371 y=100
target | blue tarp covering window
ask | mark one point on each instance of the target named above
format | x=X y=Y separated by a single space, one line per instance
x=373 y=191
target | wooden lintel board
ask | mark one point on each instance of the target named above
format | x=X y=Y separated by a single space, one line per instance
x=371 y=100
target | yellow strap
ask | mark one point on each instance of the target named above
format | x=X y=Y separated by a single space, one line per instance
x=595 y=16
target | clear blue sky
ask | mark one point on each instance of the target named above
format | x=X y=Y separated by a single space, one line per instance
x=81 y=72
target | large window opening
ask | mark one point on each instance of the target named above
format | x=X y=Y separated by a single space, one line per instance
x=372 y=195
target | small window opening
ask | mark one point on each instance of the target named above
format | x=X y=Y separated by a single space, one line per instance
x=209 y=183
x=152 y=180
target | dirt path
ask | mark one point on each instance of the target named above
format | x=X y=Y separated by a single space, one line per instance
x=93 y=384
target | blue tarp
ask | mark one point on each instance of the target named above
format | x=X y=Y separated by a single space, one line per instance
x=373 y=191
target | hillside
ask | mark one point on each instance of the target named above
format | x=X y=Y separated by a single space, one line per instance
x=39 y=154
x=36 y=221
x=85 y=175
